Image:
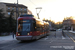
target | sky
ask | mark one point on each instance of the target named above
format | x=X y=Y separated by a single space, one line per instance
x=55 y=10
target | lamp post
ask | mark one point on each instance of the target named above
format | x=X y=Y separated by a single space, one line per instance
x=16 y=15
x=17 y=10
x=39 y=11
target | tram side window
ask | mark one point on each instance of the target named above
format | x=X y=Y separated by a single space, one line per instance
x=38 y=25
x=42 y=26
x=34 y=26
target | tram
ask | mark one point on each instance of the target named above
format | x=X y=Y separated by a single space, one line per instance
x=30 y=28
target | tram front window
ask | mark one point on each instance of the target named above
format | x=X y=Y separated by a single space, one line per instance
x=24 y=27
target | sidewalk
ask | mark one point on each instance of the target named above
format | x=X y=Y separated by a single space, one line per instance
x=72 y=31
x=8 y=38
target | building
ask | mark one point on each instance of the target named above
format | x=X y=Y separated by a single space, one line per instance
x=69 y=24
x=8 y=7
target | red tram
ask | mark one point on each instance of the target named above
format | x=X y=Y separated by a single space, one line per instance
x=30 y=28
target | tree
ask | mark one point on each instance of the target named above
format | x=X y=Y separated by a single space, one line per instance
x=2 y=21
x=66 y=18
x=59 y=25
x=12 y=23
x=7 y=24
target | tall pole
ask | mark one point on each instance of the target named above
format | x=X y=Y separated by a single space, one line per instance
x=16 y=15
x=17 y=10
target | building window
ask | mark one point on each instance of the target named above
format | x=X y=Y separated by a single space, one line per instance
x=17 y=8
x=21 y=9
x=8 y=13
x=12 y=8
x=8 y=8
x=25 y=9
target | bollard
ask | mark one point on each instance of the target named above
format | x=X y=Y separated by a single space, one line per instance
x=63 y=33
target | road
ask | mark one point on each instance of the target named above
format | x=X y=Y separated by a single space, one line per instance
x=55 y=41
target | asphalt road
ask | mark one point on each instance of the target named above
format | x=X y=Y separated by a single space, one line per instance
x=55 y=41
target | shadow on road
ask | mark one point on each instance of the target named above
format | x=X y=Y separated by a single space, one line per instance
x=27 y=41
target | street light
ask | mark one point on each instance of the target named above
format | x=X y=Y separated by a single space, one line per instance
x=39 y=11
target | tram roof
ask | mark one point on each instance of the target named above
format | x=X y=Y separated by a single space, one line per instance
x=26 y=15
x=29 y=16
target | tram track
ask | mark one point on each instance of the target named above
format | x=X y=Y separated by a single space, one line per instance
x=70 y=37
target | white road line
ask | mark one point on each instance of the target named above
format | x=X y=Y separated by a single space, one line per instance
x=63 y=37
x=51 y=42
x=46 y=38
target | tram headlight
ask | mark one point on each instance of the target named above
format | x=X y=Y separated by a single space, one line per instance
x=27 y=33
x=18 y=33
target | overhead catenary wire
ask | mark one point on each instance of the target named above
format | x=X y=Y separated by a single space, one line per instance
x=32 y=3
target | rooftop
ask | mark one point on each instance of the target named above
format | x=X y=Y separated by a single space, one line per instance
x=14 y=5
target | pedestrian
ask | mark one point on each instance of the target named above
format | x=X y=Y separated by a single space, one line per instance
x=13 y=34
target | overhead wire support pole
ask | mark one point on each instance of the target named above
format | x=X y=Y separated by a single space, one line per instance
x=17 y=10
x=38 y=12
x=16 y=14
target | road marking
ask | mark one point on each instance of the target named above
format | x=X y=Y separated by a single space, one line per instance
x=46 y=38
x=50 y=42
x=71 y=38
x=63 y=37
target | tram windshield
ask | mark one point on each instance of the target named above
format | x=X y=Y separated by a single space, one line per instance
x=26 y=27
x=23 y=26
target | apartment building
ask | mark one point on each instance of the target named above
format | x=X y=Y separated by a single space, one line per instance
x=8 y=7
x=69 y=24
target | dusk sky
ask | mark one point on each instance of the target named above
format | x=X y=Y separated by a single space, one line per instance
x=54 y=9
